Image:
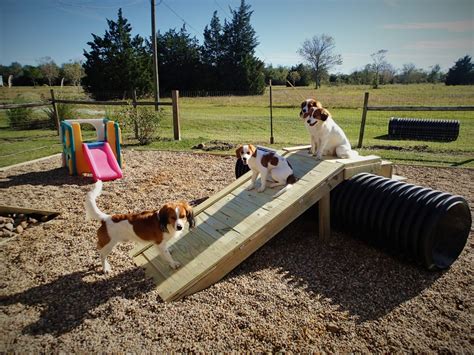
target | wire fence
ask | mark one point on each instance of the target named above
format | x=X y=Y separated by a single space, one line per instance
x=30 y=132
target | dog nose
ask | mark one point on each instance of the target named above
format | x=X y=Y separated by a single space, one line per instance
x=179 y=227
x=308 y=121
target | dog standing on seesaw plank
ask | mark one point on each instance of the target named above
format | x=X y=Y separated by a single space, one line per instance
x=267 y=165
x=157 y=226
x=327 y=137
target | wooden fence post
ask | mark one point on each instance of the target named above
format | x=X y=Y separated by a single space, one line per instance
x=134 y=103
x=362 y=123
x=55 y=110
x=176 y=127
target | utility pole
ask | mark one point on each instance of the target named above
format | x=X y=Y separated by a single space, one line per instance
x=156 y=82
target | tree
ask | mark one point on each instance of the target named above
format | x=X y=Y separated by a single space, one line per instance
x=411 y=74
x=378 y=65
x=319 y=53
x=179 y=60
x=243 y=71
x=212 y=46
x=277 y=75
x=293 y=77
x=461 y=73
x=304 y=73
x=117 y=63
x=32 y=74
x=73 y=72
x=49 y=69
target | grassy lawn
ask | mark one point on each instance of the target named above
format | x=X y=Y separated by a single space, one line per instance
x=239 y=119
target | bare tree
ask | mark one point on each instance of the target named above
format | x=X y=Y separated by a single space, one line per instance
x=379 y=65
x=319 y=53
x=49 y=69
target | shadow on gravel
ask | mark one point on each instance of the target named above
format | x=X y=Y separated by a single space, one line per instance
x=69 y=300
x=54 y=177
x=362 y=280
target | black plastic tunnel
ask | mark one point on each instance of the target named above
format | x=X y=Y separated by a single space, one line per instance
x=427 y=226
x=423 y=129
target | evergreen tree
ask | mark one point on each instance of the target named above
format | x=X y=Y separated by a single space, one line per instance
x=462 y=73
x=212 y=47
x=179 y=61
x=117 y=63
x=239 y=66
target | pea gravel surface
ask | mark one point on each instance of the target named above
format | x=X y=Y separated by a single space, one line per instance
x=294 y=294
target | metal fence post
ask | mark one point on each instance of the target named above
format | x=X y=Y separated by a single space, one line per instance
x=271 y=115
x=362 y=123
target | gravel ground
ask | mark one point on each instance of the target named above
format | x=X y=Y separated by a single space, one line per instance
x=294 y=294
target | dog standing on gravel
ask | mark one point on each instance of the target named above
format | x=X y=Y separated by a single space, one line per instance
x=157 y=226
x=267 y=165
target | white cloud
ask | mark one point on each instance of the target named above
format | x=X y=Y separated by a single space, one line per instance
x=453 y=26
x=465 y=44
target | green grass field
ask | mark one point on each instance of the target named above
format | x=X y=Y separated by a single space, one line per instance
x=238 y=119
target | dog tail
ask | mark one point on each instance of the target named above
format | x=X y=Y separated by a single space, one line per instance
x=92 y=211
x=353 y=154
x=283 y=190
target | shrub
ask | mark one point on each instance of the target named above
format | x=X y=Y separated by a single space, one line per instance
x=142 y=121
x=65 y=112
x=20 y=118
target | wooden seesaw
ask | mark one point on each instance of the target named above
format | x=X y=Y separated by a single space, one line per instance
x=234 y=223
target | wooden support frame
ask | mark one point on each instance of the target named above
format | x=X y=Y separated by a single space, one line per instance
x=234 y=223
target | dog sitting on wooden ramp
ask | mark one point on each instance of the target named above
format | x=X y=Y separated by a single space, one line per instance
x=269 y=165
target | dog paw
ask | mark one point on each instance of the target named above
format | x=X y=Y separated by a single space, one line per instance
x=251 y=187
x=261 y=189
x=175 y=265
x=107 y=269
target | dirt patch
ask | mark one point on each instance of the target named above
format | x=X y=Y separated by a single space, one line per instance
x=215 y=145
x=295 y=293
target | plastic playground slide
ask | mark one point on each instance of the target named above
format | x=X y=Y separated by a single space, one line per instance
x=102 y=161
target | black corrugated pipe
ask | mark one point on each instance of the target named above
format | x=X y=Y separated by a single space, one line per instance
x=428 y=226
x=423 y=129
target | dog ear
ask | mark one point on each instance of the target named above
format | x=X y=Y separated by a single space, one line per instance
x=253 y=150
x=164 y=215
x=238 y=151
x=324 y=114
x=318 y=104
x=189 y=215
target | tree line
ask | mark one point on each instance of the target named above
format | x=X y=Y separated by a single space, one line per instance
x=118 y=64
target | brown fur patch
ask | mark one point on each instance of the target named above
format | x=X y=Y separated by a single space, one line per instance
x=269 y=158
x=320 y=114
x=291 y=179
x=103 y=237
x=145 y=224
x=238 y=151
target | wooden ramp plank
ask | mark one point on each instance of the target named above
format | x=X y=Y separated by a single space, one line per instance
x=233 y=224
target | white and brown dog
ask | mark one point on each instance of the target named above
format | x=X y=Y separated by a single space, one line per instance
x=327 y=136
x=306 y=109
x=157 y=226
x=269 y=165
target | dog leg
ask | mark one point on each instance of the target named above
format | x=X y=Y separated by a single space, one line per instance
x=254 y=178
x=104 y=252
x=263 y=181
x=312 y=150
x=167 y=255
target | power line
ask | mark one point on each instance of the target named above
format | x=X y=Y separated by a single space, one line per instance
x=178 y=16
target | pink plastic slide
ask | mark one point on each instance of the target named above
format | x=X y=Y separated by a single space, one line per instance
x=102 y=161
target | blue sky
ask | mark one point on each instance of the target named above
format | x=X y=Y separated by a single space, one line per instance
x=422 y=32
